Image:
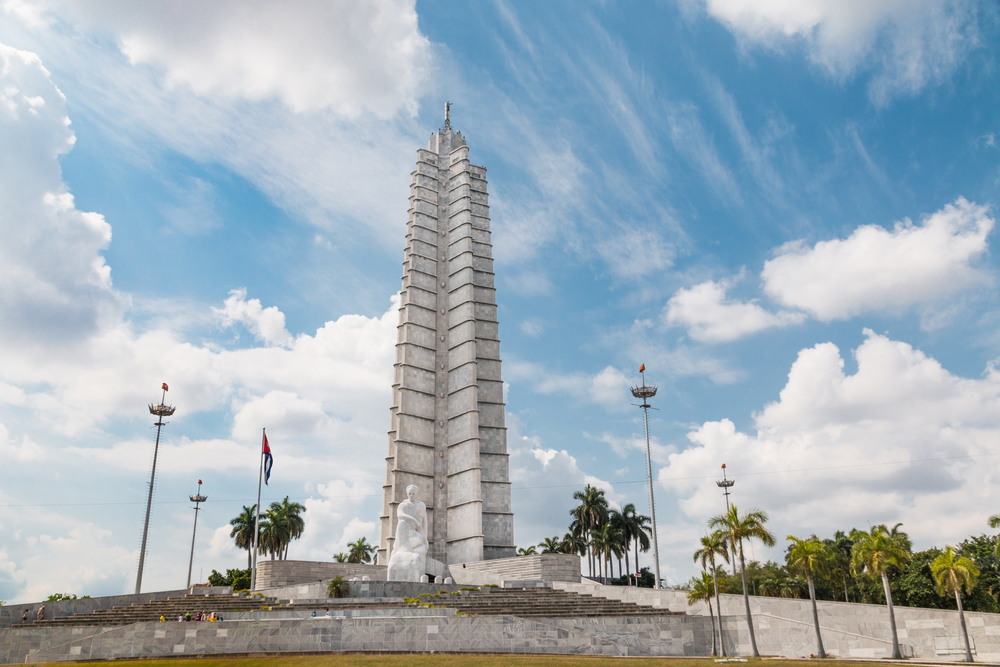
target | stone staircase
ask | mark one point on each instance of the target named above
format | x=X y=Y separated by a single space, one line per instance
x=542 y=603
x=170 y=609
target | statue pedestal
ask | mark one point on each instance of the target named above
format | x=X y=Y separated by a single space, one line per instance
x=406 y=566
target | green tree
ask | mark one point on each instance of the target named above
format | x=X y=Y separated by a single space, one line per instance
x=588 y=516
x=527 y=551
x=573 y=544
x=749 y=526
x=289 y=515
x=238 y=579
x=617 y=522
x=639 y=531
x=360 y=551
x=994 y=522
x=952 y=573
x=701 y=590
x=551 y=545
x=915 y=586
x=839 y=548
x=340 y=558
x=711 y=546
x=242 y=532
x=980 y=549
x=606 y=543
x=876 y=551
x=810 y=557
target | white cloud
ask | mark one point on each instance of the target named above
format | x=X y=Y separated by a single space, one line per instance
x=609 y=387
x=636 y=253
x=712 y=318
x=909 y=43
x=875 y=268
x=266 y=324
x=838 y=451
x=55 y=283
x=348 y=56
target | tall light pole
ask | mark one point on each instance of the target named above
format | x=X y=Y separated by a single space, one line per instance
x=162 y=410
x=726 y=484
x=645 y=393
x=197 y=499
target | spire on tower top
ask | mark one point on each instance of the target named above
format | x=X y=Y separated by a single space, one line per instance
x=447 y=115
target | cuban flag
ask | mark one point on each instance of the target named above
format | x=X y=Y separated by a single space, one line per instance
x=268 y=460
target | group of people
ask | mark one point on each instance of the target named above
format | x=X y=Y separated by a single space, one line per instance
x=197 y=616
x=327 y=614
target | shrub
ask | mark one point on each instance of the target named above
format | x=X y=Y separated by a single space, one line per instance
x=337 y=588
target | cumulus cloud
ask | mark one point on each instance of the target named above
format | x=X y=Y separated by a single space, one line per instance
x=75 y=372
x=266 y=324
x=902 y=439
x=876 y=268
x=347 y=56
x=710 y=317
x=55 y=283
x=908 y=43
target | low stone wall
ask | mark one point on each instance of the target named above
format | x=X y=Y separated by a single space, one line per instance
x=540 y=567
x=10 y=614
x=358 y=589
x=784 y=626
x=272 y=573
x=663 y=636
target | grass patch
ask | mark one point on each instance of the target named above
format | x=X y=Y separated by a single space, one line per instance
x=464 y=660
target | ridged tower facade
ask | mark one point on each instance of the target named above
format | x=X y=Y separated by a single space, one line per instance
x=447 y=433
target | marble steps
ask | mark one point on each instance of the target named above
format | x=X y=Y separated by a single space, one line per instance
x=542 y=603
x=170 y=608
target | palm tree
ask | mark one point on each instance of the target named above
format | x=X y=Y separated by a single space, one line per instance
x=360 y=551
x=292 y=524
x=572 y=543
x=839 y=549
x=641 y=531
x=750 y=526
x=951 y=572
x=874 y=552
x=701 y=589
x=273 y=534
x=606 y=542
x=529 y=551
x=551 y=545
x=340 y=558
x=589 y=514
x=617 y=520
x=242 y=531
x=630 y=530
x=711 y=546
x=994 y=522
x=810 y=557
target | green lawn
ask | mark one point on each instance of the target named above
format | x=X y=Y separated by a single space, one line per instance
x=455 y=660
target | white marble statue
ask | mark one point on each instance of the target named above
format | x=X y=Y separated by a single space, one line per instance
x=409 y=550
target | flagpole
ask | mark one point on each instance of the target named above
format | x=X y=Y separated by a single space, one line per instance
x=256 y=524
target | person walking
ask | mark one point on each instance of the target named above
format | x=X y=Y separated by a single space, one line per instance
x=24 y=617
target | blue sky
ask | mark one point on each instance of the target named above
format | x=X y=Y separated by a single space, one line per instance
x=785 y=210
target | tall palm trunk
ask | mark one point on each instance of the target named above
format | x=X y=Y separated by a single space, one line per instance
x=715 y=651
x=250 y=558
x=637 y=560
x=746 y=601
x=896 y=655
x=812 y=596
x=965 y=633
x=628 y=569
x=718 y=604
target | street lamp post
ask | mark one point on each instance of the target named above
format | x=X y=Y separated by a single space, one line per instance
x=645 y=393
x=197 y=499
x=162 y=410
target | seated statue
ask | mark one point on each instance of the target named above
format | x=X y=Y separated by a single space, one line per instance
x=409 y=550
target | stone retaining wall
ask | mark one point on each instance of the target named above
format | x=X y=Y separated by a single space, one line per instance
x=272 y=573
x=540 y=567
x=667 y=636
x=784 y=626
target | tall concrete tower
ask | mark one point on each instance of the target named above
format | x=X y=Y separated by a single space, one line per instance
x=447 y=433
